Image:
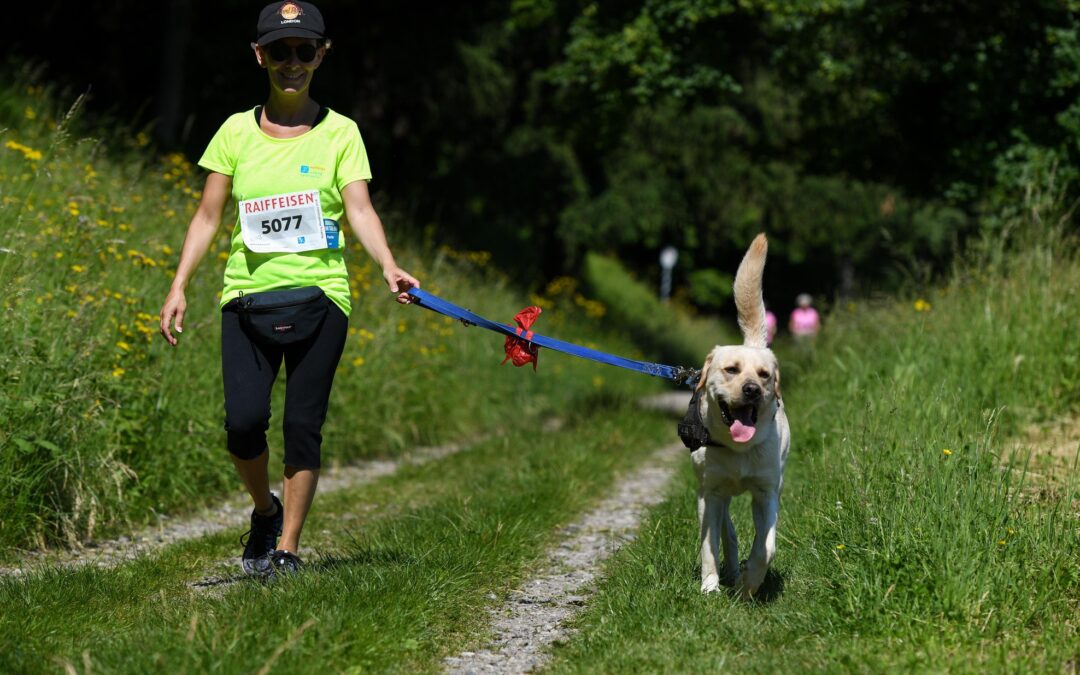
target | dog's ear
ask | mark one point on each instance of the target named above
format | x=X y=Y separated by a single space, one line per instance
x=776 y=384
x=704 y=372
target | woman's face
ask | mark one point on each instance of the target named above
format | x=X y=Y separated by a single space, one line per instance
x=290 y=62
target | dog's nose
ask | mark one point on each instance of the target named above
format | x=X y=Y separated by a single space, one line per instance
x=751 y=391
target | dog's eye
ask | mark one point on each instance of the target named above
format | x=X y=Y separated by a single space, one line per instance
x=732 y=370
x=763 y=374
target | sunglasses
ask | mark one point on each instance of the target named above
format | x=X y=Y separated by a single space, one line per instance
x=279 y=51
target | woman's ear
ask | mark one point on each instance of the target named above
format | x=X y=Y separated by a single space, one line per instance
x=259 y=56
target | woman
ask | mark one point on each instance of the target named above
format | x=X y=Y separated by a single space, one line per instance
x=804 y=322
x=294 y=168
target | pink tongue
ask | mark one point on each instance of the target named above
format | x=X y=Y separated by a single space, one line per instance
x=740 y=432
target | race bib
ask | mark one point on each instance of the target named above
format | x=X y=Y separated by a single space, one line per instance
x=288 y=223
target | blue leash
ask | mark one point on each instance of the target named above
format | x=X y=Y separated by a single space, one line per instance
x=677 y=374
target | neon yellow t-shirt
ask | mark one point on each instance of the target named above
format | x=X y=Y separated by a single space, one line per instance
x=327 y=158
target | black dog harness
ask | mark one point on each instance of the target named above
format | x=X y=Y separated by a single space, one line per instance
x=692 y=430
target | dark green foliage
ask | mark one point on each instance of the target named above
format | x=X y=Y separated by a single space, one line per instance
x=867 y=138
x=633 y=309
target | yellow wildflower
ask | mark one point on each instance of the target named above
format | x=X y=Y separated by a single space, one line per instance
x=946 y=452
x=922 y=305
x=27 y=152
x=118 y=372
x=123 y=345
x=840 y=547
x=78 y=269
x=358 y=361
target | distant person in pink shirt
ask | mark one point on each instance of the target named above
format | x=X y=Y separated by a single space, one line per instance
x=770 y=325
x=804 y=321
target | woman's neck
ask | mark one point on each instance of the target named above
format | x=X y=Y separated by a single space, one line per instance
x=288 y=115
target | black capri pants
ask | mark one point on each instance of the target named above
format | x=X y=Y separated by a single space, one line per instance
x=249 y=370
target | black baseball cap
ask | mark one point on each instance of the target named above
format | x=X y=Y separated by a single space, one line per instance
x=289 y=19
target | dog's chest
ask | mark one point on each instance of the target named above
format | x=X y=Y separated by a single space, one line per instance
x=726 y=473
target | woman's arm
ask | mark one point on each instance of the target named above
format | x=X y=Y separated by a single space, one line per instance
x=368 y=228
x=200 y=235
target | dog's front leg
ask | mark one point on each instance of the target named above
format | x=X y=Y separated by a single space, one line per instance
x=766 y=507
x=710 y=508
x=731 y=543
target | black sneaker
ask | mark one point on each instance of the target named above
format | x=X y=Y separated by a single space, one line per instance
x=262 y=540
x=285 y=562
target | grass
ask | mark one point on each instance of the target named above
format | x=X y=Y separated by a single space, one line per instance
x=910 y=536
x=106 y=426
x=403 y=580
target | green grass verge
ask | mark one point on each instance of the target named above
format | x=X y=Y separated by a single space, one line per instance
x=910 y=536
x=404 y=578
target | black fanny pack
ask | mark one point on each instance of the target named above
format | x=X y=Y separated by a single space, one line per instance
x=282 y=317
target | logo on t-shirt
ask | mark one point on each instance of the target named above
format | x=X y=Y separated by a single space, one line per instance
x=312 y=170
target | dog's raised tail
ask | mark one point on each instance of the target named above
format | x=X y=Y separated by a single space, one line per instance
x=749 y=300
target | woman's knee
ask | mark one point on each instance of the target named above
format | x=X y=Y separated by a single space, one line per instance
x=247 y=433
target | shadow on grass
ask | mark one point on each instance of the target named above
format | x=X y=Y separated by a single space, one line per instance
x=770 y=591
x=365 y=557
x=772 y=588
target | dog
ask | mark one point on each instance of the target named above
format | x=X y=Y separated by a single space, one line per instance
x=738 y=400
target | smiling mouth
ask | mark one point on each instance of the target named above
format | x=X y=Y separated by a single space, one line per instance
x=740 y=420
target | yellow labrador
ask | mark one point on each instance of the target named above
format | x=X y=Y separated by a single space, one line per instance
x=738 y=399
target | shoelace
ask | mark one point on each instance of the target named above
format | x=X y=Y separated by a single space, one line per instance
x=244 y=537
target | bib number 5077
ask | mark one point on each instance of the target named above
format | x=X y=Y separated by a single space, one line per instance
x=284 y=223
x=281 y=224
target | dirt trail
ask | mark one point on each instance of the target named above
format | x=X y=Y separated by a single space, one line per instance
x=534 y=616
x=230 y=514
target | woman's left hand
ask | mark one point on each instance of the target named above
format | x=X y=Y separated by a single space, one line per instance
x=400 y=282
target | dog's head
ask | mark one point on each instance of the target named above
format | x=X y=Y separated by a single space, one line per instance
x=741 y=393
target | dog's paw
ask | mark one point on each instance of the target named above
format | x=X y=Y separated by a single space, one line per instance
x=710 y=584
x=747 y=584
x=742 y=589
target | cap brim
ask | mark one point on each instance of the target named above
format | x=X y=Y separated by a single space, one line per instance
x=291 y=31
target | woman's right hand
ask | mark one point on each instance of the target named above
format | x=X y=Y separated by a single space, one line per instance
x=200 y=236
x=173 y=310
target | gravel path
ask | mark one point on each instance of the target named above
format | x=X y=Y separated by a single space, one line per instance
x=230 y=514
x=534 y=616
